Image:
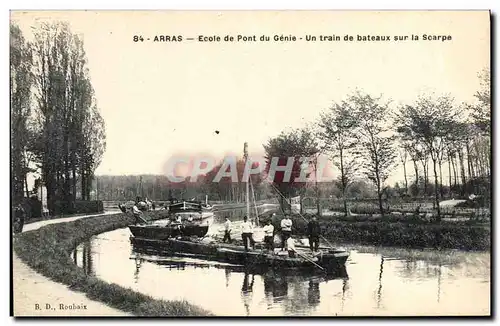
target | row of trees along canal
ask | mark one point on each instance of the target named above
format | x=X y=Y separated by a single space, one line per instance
x=366 y=139
x=56 y=128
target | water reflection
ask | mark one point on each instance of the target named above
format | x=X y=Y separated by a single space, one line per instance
x=376 y=284
x=138 y=263
x=296 y=292
x=313 y=294
x=227 y=273
x=275 y=286
x=345 y=287
x=379 y=291
x=439 y=284
x=246 y=291
x=83 y=256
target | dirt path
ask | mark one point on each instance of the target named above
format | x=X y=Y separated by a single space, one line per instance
x=36 y=295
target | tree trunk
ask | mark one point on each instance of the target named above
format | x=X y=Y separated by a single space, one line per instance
x=26 y=184
x=469 y=164
x=318 y=205
x=455 y=174
x=426 y=184
x=441 y=190
x=415 y=166
x=462 y=170
x=449 y=175
x=83 y=183
x=73 y=171
x=379 y=195
x=89 y=184
x=316 y=188
x=424 y=166
x=436 y=191
x=406 y=178
x=66 y=183
x=49 y=185
x=343 y=182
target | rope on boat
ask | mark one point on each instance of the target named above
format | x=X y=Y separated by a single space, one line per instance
x=289 y=203
x=309 y=260
x=254 y=202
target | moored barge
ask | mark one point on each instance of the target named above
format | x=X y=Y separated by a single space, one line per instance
x=329 y=261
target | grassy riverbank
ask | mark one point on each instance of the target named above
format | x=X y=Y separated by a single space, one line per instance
x=48 y=249
x=55 y=217
x=393 y=231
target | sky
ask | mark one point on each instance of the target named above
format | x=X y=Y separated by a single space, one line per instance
x=165 y=99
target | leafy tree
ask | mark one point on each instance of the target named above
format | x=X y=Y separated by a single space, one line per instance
x=21 y=80
x=225 y=189
x=361 y=188
x=338 y=133
x=297 y=145
x=481 y=113
x=403 y=157
x=429 y=121
x=71 y=132
x=376 y=145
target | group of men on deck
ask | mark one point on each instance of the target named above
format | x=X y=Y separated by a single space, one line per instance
x=286 y=225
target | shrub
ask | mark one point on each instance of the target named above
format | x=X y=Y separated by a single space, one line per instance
x=78 y=207
x=409 y=233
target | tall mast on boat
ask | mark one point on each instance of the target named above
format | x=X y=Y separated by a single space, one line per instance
x=247 y=194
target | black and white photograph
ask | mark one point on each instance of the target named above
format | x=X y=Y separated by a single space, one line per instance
x=250 y=163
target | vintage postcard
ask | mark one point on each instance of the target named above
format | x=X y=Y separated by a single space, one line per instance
x=250 y=163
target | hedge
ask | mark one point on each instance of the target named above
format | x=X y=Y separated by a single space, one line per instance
x=78 y=207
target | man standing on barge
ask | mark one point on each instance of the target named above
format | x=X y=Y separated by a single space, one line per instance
x=313 y=232
x=227 y=230
x=247 y=233
x=286 y=230
x=269 y=235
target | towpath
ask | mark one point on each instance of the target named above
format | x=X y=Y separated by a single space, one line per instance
x=32 y=290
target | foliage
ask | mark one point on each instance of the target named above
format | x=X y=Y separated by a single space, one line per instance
x=394 y=232
x=227 y=190
x=429 y=122
x=21 y=80
x=64 y=134
x=375 y=149
x=481 y=112
x=78 y=207
x=338 y=131
x=299 y=145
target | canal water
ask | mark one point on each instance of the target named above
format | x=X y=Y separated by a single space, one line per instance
x=376 y=282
